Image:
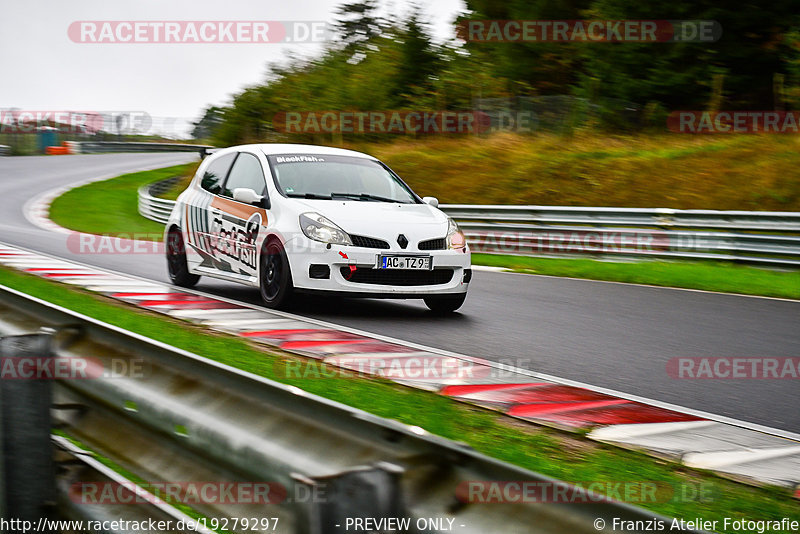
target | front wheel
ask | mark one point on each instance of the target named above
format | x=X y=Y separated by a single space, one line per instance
x=176 y=261
x=275 y=277
x=445 y=304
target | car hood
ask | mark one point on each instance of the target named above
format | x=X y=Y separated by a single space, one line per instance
x=382 y=219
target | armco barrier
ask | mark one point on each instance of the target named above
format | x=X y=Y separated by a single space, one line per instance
x=765 y=238
x=152 y=207
x=98 y=147
x=101 y=147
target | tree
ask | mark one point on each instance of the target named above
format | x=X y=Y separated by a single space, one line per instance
x=358 y=23
x=419 y=59
x=741 y=65
x=208 y=124
x=539 y=67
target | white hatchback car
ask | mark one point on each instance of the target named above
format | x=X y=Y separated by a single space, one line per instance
x=290 y=218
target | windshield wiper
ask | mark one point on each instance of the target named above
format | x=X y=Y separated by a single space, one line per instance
x=366 y=196
x=309 y=195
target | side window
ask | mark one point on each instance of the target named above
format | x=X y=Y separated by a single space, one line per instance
x=246 y=172
x=216 y=172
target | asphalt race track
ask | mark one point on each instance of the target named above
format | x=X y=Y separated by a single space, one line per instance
x=610 y=335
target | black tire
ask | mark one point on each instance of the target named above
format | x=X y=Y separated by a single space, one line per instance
x=176 y=261
x=447 y=304
x=275 y=277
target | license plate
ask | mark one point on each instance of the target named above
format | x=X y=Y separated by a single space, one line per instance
x=405 y=262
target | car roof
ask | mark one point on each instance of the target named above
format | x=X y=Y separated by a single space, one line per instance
x=271 y=149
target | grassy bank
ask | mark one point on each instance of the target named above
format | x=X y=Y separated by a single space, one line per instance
x=710 y=276
x=726 y=172
x=565 y=456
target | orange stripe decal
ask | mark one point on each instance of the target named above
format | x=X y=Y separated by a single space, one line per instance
x=237 y=209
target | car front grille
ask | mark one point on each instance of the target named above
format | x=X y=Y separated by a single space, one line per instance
x=433 y=244
x=368 y=242
x=397 y=277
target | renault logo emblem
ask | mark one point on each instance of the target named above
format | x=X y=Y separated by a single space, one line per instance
x=402 y=241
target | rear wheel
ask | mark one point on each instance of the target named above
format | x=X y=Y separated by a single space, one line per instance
x=275 y=276
x=176 y=261
x=445 y=304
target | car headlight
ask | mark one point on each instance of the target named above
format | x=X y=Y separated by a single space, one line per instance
x=320 y=228
x=455 y=237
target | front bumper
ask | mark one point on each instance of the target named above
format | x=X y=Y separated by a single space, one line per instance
x=304 y=253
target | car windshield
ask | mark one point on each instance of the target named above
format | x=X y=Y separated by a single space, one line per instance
x=337 y=178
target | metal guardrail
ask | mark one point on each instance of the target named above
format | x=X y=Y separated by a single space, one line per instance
x=741 y=236
x=96 y=147
x=183 y=418
x=154 y=208
x=766 y=238
x=666 y=218
x=5 y=150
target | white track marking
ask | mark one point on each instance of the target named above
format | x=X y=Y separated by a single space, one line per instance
x=666 y=288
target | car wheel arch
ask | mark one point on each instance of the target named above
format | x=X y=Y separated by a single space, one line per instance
x=268 y=240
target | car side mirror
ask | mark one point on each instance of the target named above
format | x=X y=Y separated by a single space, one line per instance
x=433 y=201
x=248 y=196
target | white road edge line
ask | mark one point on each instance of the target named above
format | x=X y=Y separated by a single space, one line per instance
x=503 y=270
x=723 y=459
x=639 y=430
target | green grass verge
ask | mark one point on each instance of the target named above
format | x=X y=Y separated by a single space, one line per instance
x=557 y=454
x=111 y=206
x=710 y=276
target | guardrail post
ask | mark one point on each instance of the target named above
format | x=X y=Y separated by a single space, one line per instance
x=27 y=474
x=335 y=502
